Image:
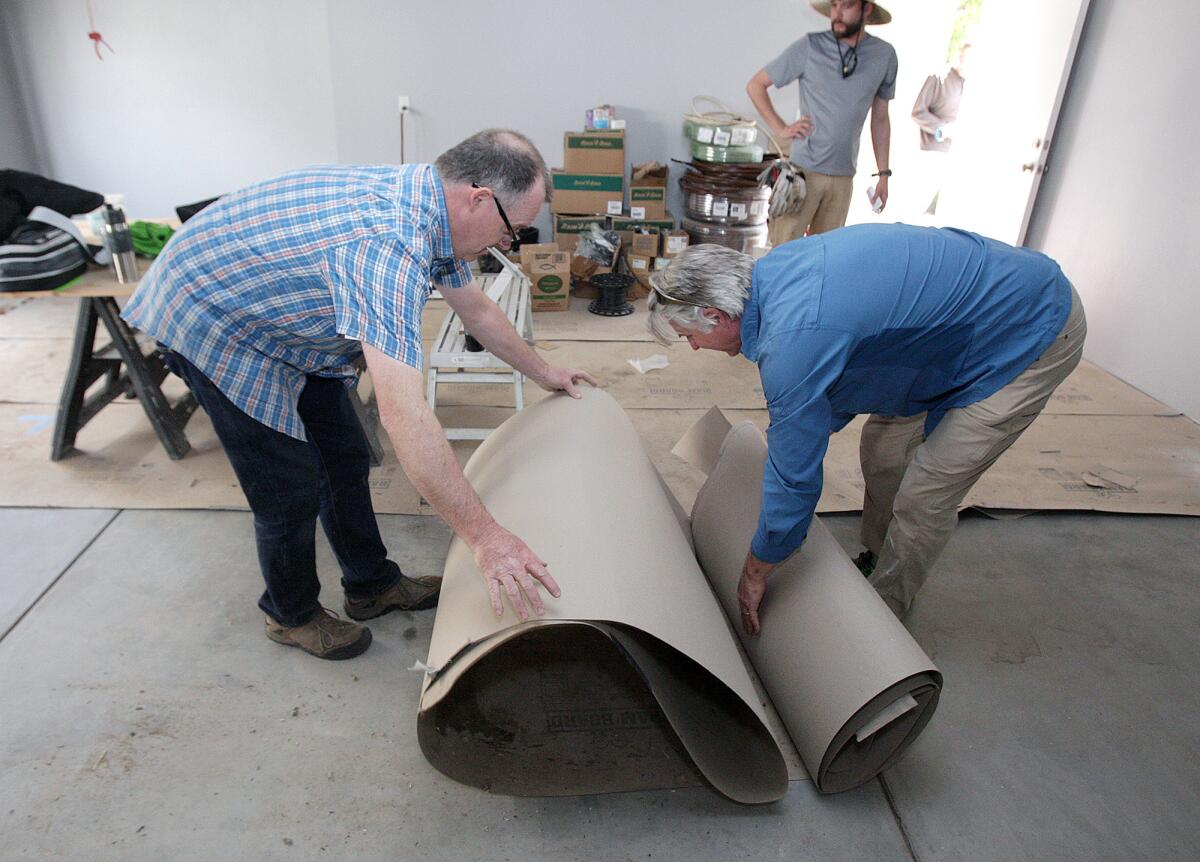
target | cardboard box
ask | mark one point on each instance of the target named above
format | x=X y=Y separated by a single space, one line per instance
x=640 y=265
x=586 y=193
x=550 y=273
x=625 y=225
x=646 y=244
x=648 y=191
x=661 y=263
x=674 y=241
x=647 y=202
x=640 y=262
x=582 y=270
x=527 y=252
x=567 y=228
x=649 y=174
x=594 y=152
x=602 y=117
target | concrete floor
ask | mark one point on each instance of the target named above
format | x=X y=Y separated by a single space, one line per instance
x=143 y=715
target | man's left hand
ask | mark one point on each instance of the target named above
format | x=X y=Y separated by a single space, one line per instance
x=554 y=378
x=751 y=589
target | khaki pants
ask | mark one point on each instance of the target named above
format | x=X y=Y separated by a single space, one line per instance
x=826 y=204
x=914 y=485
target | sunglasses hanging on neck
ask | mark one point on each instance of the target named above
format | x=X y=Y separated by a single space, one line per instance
x=849 y=60
x=849 y=57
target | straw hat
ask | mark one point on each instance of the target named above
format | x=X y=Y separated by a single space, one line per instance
x=878 y=15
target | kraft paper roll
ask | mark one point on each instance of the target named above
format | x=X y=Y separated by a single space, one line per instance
x=831 y=655
x=633 y=680
x=572 y=479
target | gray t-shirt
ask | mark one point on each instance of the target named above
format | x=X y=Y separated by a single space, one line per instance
x=837 y=105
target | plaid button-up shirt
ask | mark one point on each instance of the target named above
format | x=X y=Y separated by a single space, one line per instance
x=291 y=276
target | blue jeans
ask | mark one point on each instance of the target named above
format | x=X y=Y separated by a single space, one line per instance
x=289 y=483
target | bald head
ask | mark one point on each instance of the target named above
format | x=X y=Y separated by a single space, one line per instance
x=499 y=159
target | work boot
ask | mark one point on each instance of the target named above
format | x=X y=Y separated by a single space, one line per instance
x=325 y=635
x=407 y=594
x=866 y=563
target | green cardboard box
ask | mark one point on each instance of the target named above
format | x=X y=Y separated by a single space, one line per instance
x=594 y=152
x=586 y=193
x=567 y=228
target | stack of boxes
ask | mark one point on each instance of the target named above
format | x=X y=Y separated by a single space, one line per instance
x=589 y=186
x=590 y=190
x=592 y=178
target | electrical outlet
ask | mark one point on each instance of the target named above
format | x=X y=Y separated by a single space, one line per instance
x=404 y=105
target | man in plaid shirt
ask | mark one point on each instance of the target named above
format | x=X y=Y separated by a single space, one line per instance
x=264 y=301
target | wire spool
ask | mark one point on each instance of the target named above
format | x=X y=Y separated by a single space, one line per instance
x=716 y=179
x=727 y=155
x=736 y=206
x=741 y=175
x=741 y=238
x=612 y=287
x=722 y=127
x=785 y=179
x=720 y=134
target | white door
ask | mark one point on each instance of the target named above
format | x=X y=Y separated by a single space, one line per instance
x=1021 y=56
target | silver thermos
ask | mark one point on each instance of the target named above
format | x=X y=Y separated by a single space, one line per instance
x=120 y=243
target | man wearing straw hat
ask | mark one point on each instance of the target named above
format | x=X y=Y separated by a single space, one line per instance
x=844 y=73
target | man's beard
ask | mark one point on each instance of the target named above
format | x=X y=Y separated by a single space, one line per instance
x=851 y=29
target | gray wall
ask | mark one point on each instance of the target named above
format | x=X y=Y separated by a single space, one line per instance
x=1118 y=208
x=471 y=65
x=204 y=97
x=17 y=149
x=200 y=98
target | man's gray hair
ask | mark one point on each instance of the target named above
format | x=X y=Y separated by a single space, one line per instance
x=502 y=160
x=711 y=276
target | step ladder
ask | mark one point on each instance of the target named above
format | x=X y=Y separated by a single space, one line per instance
x=451 y=363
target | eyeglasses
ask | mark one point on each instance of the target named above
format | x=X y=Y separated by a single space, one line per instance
x=504 y=216
x=672 y=300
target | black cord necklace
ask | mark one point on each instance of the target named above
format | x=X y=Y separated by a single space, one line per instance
x=850 y=58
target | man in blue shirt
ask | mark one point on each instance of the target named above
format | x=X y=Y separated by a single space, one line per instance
x=264 y=302
x=953 y=342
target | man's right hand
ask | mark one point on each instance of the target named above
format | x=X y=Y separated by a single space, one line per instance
x=508 y=564
x=798 y=130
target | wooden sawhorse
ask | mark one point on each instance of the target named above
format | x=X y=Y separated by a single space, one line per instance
x=125 y=368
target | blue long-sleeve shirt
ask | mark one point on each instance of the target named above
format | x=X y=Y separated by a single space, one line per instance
x=887 y=319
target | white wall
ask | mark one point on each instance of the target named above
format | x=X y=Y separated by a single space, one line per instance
x=1119 y=208
x=203 y=97
x=198 y=98
x=538 y=65
x=16 y=138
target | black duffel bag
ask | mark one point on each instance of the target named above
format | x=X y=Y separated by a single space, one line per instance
x=40 y=248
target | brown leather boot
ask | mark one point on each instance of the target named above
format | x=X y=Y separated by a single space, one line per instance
x=325 y=635
x=407 y=594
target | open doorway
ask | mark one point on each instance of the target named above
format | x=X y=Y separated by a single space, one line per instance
x=984 y=172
